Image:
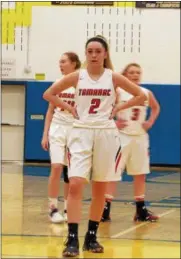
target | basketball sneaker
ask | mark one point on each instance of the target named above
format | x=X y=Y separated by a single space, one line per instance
x=55 y=216
x=145 y=215
x=65 y=216
x=71 y=246
x=91 y=244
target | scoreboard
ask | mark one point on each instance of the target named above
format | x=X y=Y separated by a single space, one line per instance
x=158 y=4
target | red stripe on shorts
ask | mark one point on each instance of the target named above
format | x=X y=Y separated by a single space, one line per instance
x=117 y=162
x=68 y=157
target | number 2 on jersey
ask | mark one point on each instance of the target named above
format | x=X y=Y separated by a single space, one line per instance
x=95 y=103
x=136 y=114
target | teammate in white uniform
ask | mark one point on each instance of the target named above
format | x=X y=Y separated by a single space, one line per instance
x=133 y=126
x=94 y=140
x=58 y=123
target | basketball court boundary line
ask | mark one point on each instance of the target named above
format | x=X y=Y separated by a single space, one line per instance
x=140 y=225
x=102 y=238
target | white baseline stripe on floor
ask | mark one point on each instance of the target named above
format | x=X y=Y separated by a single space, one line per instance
x=140 y=225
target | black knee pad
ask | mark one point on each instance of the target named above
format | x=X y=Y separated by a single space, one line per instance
x=65 y=174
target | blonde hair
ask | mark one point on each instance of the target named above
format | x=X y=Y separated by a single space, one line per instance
x=107 y=62
x=125 y=70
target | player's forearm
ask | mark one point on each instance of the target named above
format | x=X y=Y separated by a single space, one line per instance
x=155 y=111
x=56 y=101
x=132 y=102
x=48 y=120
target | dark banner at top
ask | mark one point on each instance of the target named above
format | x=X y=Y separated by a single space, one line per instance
x=97 y=3
x=156 y=4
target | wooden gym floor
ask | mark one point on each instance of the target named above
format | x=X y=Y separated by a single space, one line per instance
x=27 y=233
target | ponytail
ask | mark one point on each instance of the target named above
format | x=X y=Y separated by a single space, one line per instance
x=107 y=62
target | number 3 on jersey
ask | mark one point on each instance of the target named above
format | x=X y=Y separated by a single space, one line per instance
x=95 y=103
x=135 y=114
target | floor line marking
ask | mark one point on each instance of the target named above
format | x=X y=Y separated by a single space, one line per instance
x=140 y=225
x=81 y=236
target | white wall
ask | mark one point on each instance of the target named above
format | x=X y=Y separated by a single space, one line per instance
x=55 y=30
x=18 y=51
x=13 y=110
x=13 y=104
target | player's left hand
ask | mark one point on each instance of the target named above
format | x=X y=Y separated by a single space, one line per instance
x=74 y=113
x=114 y=112
x=146 y=125
x=121 y=124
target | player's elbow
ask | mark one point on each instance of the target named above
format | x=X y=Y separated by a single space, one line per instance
x=156 y=108
x=143 y=97
x=46 y=96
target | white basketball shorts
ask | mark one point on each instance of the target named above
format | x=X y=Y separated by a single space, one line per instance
x=135 y=154
x=58 y=135
x=94 y=154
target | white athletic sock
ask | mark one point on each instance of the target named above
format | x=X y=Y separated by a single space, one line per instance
x=140 y=197
x=109 y=197
x=53 y=203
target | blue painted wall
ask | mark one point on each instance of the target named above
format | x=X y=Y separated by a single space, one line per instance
x=164 y=136
x=35 y=105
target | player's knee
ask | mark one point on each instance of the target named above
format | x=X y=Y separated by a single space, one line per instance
x=99 y=189
x=139 y=177
x=76 y=187
x=56 y=170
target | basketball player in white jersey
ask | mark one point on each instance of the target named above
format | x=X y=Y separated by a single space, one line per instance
x=94 y=140
x=58 y=123
x=134 y=156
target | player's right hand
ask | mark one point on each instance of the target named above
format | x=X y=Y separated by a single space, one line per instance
x=74 y=113
x=44 y=143
x=121 y=124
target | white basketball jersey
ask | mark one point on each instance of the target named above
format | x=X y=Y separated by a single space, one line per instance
x=134 y=116
x=95 y=100
x=61 y=115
